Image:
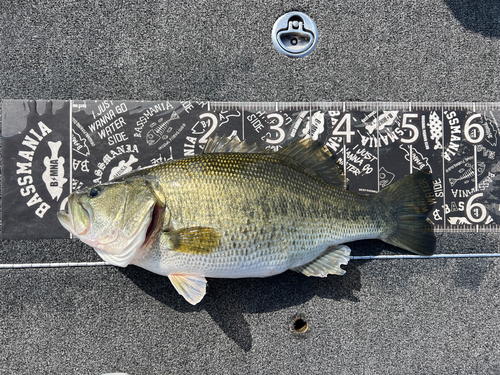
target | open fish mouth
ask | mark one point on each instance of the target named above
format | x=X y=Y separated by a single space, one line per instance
x=118 y=249
x=155 y=225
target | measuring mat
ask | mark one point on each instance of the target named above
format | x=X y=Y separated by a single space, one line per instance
x=51 y=148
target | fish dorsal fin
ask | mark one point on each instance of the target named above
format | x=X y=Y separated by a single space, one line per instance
x=220 y=144
x=192 y=287
x=328 y=263
x=316 y=159
x=194 y=240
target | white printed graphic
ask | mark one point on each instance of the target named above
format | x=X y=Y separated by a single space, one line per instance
x=275 y=126
x=385 y=177
x=468 y=174
x=80 y=144
x=487 y=153
x=418 y=160
x=491 y=132
x=387 y=118
x=212 y=123
x=476 y=211
x=316 y=125
x=54 y=171
x=123 y=167
x=436 y=129
x=455 y=220
x=162 y=159
x=297 y=123
x=234 y=134
x=436 y=215
x=344 y=122
x=224 y=119
x=158 y=131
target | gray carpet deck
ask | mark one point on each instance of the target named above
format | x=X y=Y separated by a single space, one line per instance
x=383 y=316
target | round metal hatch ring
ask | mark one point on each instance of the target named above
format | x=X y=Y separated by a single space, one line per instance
x=295 y=34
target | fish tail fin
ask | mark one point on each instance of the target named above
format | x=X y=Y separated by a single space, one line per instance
x=408 y=202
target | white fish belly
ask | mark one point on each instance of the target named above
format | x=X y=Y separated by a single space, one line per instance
x=238 y=260
x=229 y=264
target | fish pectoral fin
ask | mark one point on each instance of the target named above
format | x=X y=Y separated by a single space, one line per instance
x=195 y=240
x=191 y=287
x=327 y=263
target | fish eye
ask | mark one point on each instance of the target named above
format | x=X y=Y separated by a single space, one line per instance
x=95 y=191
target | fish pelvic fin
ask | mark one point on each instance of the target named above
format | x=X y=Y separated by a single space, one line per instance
x=408 y=202
x=195 y=240
x=192 y=287
x=328 y=263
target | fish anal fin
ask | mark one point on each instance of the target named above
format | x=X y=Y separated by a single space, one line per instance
x=328 y=263
x=192 y=287
x=194 y=240
x=316 y=159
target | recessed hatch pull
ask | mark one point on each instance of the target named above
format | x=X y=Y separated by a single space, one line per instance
x=295 y=34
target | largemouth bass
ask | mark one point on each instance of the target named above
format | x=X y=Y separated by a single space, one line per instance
x=242 y=211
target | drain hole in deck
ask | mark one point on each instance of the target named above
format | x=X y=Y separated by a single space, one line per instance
x=300 y=325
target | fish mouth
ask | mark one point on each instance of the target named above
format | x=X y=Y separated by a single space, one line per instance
x=65 y=220
x=155 y=225
x=76 y=219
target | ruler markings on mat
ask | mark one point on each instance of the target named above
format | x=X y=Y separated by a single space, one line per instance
x=51 y=148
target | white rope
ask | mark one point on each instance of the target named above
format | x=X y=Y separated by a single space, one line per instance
x=435 y=256
x=362 y=257
x=53 y=265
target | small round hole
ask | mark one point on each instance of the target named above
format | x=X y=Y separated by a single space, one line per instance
x=300 y=325
x=294 y=41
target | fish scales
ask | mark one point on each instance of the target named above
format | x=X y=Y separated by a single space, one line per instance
x=238 y=210
x=268 y=211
